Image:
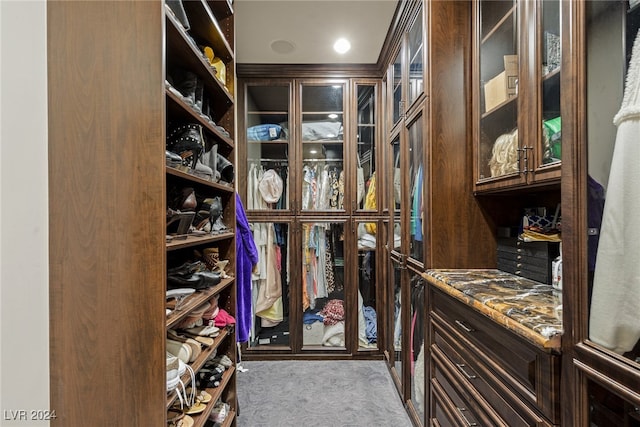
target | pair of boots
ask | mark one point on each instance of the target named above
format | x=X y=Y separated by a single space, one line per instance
x=191 y=87
x=221 y=167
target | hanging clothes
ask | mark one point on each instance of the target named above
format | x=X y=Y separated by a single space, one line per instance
x=269 y=302
x=246 y=259
x=615 y=305
x=416 y=206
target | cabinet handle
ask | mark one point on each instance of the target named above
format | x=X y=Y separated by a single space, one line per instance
x=463 y=326
x=461 y=411
x=461 y=367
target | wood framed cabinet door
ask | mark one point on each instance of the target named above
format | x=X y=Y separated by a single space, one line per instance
x=516 y=83
x=600 y=288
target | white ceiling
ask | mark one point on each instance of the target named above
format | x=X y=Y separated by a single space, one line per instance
x=310 y=28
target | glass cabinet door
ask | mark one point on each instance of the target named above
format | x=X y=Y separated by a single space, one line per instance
x=397 y=194
x=550 y=148
x=417 y=344
x=323 y=285
x=397 y=107
x=366 y=148
x=270 y=286
x=416 y=55
x=416 y=176
x=367 y=285
x=267 y=121
x=322 y=136
x=395 y=279
x=497 y=138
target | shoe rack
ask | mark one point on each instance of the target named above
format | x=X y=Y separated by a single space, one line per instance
x=109 y=109
x=199 y=89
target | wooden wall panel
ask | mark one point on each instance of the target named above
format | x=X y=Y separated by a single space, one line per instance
x=461 y=235
x=106 y=210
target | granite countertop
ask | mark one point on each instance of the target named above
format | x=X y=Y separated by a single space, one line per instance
x=526 y=307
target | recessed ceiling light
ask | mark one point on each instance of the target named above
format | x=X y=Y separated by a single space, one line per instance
x=342 y=46
x=282 y=46
x=313 y=151
x=333 y=116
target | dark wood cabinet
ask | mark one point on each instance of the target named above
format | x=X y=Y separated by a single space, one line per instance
x=199 y=90
x=321 y=137
x=516 y=81
x=600 y=384
x=506 y=379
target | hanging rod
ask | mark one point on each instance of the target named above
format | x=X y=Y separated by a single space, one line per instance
x=269 y=160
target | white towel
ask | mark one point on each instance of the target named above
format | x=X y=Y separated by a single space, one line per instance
x=615 y=307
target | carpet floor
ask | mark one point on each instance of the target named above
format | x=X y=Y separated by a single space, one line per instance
x=318 y=394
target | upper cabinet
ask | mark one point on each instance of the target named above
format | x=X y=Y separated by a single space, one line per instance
x=267 y=113
x=517 y=121
x=322 y=145
x=406 y=73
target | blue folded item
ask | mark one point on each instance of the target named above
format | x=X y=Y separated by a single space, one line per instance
x=311 y=316
x=266 y=132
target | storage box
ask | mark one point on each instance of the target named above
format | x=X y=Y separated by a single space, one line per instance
x=312 y=333
x=503 y=86
x=495 y=91
x=511 y=70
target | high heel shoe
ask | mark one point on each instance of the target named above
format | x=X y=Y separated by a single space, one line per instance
x=184 y=219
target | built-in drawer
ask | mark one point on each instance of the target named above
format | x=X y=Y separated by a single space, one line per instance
x=442 y=408
x=458 y=405
x=531 y=373
x=510 y=409
x=527 y=259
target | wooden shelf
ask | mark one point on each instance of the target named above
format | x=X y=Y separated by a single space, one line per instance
x=196 y=300
x=179 y=108
x=197 y=364
x=181 y=50
x=189 y=177
x=198 y=240
x=216 y=393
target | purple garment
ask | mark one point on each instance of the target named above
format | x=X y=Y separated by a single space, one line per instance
x=246 y=258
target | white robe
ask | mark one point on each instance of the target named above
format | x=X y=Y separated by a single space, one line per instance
x=615 y=307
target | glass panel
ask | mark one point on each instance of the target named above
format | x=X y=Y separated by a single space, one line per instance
x=397 y=88
x=498 y=153
x=415 y=59
x=397 y=194
x=267 y=147
x=606 y=409
x=366 y=155
x=418 y=319
x=323 y=284
x=397 y=317
x=322 y=147
x=270 y=286
x=416 y=183
x=551 y=55
x=367 y=286
x=612 y=245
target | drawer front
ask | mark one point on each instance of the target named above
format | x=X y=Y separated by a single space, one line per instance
x=441 y=408
x=512 y=410
x=530 y=372
x=457 y=402
x=542 y=275
x=529 y=249
x=518 y=261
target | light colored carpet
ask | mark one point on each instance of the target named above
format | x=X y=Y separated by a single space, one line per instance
x=318 y=394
